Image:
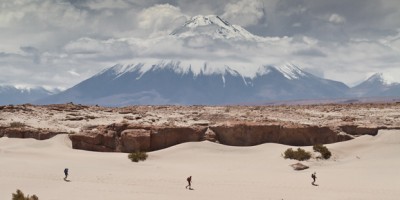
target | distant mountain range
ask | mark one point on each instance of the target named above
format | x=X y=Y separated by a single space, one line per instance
x=17 y=95
x=376 y=86
x=180 y=82
x=173 y=83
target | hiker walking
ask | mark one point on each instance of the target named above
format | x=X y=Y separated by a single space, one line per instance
x=189 y=180
x=314 y=176
x=66 y=173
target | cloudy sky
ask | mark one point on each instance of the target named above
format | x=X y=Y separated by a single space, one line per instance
x=58 y=43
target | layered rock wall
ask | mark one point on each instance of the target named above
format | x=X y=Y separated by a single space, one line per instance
x=130 y=138
x=27 y=132
x=248 y=135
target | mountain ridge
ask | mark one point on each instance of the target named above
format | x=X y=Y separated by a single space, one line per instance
x=167 y=83
x=11 y=94
x=214 y=27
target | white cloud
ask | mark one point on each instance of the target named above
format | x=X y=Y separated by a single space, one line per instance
x=336 y=18
x=160 y=19
x=47 y=13
x=90 y=48
x=72 y=72
x=392 y=41
x=244 y=12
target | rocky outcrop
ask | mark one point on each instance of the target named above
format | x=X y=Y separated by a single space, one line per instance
x=249 y=135
x=93 y=142
x=135 y=140
x=163 y=137
x=211 y=136
x=27 y=132
x=299 y=166
x=357 y=130
x=130 y=138
x=149 y=128
x=122 y=137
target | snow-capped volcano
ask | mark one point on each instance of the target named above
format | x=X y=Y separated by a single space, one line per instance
x=377 y=85
x=288 y=70
x=172 y=82
x=380 y=78
x=213 y=26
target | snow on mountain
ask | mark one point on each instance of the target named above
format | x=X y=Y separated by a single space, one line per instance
x=380 y=78
x=178 y=67
x=376 y=85
x=174 y=82
x=288 y=70
x=21 y=94
x=214 y=27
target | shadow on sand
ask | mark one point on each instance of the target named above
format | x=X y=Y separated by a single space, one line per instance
x=66 y=180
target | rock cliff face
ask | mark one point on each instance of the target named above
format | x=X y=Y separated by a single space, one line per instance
x=130 y=138
x=356 y=130
x=248 y=135
x=150 y=128
x=27 y=132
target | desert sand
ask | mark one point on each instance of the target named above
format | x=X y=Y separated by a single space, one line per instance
x=362 y=168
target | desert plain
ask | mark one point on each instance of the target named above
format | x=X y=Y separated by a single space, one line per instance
x=36 y=146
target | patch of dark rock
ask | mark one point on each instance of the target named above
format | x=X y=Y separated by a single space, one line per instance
x=74 y=118
x=299 y=166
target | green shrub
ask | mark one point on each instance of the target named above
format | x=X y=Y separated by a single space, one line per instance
x=300 y=154
x=137 y=156
x=19 y=195
x=17 y=124
x=325 y=153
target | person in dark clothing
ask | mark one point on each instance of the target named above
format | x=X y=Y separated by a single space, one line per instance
x=66 y=173
x=189 y=180
x=314 y=176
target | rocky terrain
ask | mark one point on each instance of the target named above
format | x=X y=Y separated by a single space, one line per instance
x=149 y=128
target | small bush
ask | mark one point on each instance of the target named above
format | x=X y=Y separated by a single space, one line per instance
x=19 y=195
x=17 y=124
x=138 y=156
x=325 y=153
x=300 y=154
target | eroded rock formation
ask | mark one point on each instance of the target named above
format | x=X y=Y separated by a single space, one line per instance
x=27 y=132
x=248 y=135
x=149 y=128
x=130 y=138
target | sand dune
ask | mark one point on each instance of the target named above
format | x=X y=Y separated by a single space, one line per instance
x=363 y=168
